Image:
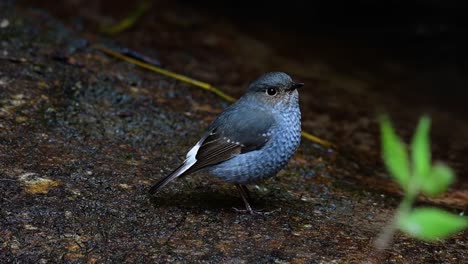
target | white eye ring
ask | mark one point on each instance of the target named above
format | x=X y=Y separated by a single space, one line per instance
x=271 y=91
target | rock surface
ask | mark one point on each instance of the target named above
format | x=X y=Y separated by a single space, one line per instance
x=83 y=136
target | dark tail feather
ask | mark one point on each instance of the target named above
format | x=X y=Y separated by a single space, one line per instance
x=176 y=173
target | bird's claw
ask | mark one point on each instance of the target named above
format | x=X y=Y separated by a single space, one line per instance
x=255 y=212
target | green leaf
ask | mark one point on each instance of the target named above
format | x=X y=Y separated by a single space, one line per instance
x=421 y=151
x=431 y=223
x=438 y=180
x=394 y=153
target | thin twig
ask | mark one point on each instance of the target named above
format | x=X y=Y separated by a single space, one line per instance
x=200 y=84
x=130 y=20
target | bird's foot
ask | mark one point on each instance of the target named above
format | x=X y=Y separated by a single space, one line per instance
x=255 y=212
x=244 y=192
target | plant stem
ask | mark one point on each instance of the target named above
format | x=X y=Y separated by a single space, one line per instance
x=385 y=238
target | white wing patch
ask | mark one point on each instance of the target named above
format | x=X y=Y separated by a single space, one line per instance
x=190 y=158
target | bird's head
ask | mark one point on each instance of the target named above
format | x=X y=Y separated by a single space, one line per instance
x=275 y=90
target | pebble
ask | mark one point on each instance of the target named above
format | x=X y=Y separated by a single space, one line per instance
x=4 y=23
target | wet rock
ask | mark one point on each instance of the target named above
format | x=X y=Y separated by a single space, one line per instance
x=91 y=140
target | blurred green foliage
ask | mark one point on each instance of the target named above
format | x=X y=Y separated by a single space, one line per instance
x=416 y=174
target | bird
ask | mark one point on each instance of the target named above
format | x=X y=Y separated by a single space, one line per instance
x=252 y=139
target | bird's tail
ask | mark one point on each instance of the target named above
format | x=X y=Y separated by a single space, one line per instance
x=181 y=170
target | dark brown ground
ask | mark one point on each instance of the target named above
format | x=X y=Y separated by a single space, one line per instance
x=83 y=136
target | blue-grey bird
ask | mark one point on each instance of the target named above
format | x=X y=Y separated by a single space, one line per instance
x=250 y=140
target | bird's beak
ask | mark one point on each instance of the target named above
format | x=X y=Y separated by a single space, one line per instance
x=295 y=86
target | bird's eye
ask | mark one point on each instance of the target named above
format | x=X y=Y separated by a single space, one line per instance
x=271 y=91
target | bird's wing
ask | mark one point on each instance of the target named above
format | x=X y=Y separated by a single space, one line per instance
x=235 y=131
x=232 y=133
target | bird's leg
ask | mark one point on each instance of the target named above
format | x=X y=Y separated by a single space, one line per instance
x=244 y=192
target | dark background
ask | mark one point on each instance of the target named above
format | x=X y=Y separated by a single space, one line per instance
x=426 y=38
x=429 y=36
